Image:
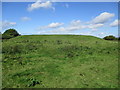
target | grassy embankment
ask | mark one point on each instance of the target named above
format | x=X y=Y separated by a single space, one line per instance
x=68 y=61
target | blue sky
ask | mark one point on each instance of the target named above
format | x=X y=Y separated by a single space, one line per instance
x=86 y=18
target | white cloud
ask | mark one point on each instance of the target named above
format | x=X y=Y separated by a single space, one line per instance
x=77 y=25
x=94 y=26
x=7 y=24
x=74 y=25
x=25 y=18
x=54 y=25
x=58 y=30
x=40 y=4
x=115 y=23
x=75 y=22
x=72 y=28
x=86 y=33
x=103 y=17
x=51 y=25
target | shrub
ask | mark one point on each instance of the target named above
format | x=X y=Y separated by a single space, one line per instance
x=110 y=37
x=10 y=33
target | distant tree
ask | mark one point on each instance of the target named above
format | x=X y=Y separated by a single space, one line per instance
x=110 y=37
x=10 y=33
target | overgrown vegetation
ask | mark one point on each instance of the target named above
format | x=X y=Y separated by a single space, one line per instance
x=110 y=37
x=10 y=33
x=60 y=61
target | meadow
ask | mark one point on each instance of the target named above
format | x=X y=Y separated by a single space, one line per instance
x=59 y=61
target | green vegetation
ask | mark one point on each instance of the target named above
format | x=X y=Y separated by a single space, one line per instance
x=59 y=61
x=10 y=33
x=110 y=37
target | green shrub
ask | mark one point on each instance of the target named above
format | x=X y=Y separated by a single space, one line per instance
x=10 y=33
x=110 y=37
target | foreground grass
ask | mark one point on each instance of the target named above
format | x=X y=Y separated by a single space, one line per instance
x=55 y=61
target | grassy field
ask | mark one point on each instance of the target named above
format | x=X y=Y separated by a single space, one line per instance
x=59 y=61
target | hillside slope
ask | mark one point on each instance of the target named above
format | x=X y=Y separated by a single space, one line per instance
x=67 y=61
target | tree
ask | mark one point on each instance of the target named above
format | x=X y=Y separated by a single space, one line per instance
x=110 y=37
x=10 y=33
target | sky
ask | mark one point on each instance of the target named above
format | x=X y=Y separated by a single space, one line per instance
x=80 y=18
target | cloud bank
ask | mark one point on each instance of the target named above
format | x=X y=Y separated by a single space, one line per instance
x=77 y=25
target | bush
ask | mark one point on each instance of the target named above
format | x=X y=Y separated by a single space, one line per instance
x=110 y=37
x=10 y=33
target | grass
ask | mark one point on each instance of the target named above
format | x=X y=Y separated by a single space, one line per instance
x=59 y=61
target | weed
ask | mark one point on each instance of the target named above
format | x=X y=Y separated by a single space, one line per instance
x=34 y=82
